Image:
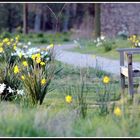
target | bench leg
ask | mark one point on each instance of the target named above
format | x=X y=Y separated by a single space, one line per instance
x=130 y=76
x=122 y=83
x=130 y=85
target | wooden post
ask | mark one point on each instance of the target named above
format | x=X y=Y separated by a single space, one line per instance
x=130 y=75
x=121 y=75
x=25 y=18
x=97 y=20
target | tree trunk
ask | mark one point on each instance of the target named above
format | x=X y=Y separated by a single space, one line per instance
x=37 y=24
x=66 y=18
x=74 y=9
x=9 y=18
x=25 y=18
x=97 y=22
x=44 y=21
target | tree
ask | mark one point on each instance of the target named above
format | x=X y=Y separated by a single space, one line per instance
x=25 y=18
x=66 y=18
x=37 y=24
x=97 y=22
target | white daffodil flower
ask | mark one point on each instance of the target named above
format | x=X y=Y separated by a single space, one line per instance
x=98 y=39
x=10 y=90
x=29 y=43
x=20 y=92
x=102 y=37
x=2 y=87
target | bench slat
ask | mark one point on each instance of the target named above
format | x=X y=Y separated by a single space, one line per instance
x=128 y=71
x=136 y=71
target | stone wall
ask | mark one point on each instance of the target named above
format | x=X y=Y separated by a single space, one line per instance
x=116 y=17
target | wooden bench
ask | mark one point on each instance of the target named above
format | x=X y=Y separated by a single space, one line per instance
x=128 y=70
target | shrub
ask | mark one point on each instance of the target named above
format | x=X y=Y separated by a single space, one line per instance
x=108 y=45
x=8 y=81
x=6 y=35
x=43 y=40
x=41 y=35
x=66 y=39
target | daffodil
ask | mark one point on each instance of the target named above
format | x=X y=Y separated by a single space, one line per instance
x=14 y=47
x=38 y=60
x=5 y=40
x=106 y=80
x=20 y=55
x=1 y=44
x=10 y=90
x=117 y=112
x=43 y=81
x=68 y=99
x=2 y=87
x=16 y=69
x=25 y=64
x=50 y=47
x=33 y=57
x=42 y=63
x=22 y=77
x=8 y=43
x=12 y=40
x=14 y=44
x=17 y=38
x=134 y=36
x=37 y=55
x=1 y=50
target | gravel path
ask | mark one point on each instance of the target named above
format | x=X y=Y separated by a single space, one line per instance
x=87 y=60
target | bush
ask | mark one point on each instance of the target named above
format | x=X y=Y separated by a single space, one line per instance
x=5 y=35
x=40 y=35
x=66 y=39
x=108 y=45
x=43 y=40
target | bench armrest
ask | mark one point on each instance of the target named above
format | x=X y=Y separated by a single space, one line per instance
x=128 y=49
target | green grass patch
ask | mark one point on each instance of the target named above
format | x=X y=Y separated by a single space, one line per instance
x=45 y=38
x=56 y=118
x=89 y=47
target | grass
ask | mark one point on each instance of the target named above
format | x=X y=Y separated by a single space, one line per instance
x=89 y=47
x=16 y=121
x=40 y=39
x=56 y=118
x=46 y=38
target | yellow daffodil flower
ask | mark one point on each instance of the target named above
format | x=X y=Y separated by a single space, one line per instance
x=1 y=50
x=8 y=43
x=20 y=55
x=16 y=69
x=25 y=64
x=14 y=47
x=17 y=38
x=42 y=63
x=33 y=57
x=43 y=81
x=22 y=77
x=68 y=99
x=12 y=40
x=117 y=112
x=37 y=55
x=5 y=40
x=38 y=60
x=106 y=80
x=1 y=44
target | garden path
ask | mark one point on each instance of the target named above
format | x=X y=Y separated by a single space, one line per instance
x=87 y=60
